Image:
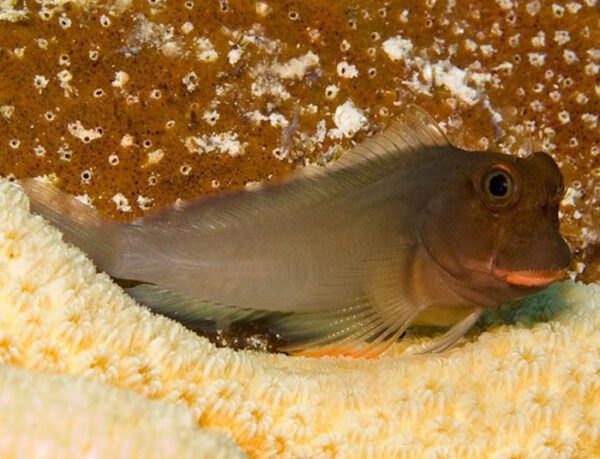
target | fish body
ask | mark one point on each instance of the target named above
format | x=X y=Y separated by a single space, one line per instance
x=343 y=259
x=297 y=260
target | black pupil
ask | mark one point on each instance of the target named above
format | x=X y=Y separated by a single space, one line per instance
x=498 y=185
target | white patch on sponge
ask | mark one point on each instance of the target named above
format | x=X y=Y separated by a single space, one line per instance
x=224 y=143
x=348 y=119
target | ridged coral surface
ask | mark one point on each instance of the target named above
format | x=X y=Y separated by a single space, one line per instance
x=45 y=416
x=530 y=389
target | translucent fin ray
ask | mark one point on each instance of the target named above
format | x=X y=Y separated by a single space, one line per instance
x=360 y=339
x=456 y=332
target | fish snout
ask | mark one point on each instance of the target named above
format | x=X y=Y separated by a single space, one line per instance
x=537 y=279
x=545 y=165
x=557 y=262
x=546 y=263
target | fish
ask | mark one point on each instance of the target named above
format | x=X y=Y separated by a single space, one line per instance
x=402 y=229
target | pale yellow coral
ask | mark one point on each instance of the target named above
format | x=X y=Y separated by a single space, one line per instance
x=531 y=389
x=65 y=416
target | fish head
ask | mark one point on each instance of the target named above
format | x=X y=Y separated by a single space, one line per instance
x=494 y=228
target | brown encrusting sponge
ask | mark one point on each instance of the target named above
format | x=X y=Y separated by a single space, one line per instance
x=134 y=104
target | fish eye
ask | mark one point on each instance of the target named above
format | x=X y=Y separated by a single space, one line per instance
x=498 y=185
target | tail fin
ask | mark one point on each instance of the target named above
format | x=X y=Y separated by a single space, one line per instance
x=80 y=224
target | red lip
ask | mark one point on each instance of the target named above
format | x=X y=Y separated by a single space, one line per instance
x=532 y=278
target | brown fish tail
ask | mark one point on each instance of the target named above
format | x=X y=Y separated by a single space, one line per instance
x=80 y=224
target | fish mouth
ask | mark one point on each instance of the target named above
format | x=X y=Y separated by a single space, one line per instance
x=531 y=278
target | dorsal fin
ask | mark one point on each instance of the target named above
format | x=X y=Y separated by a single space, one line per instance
x=413 y=130
x=413 y=138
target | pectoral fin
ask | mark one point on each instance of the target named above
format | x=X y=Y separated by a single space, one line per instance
x=189 y=310
x=362 y=333
x=354 y=331
x=456 y=332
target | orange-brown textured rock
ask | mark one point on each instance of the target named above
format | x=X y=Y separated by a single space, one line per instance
x=138 y=104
